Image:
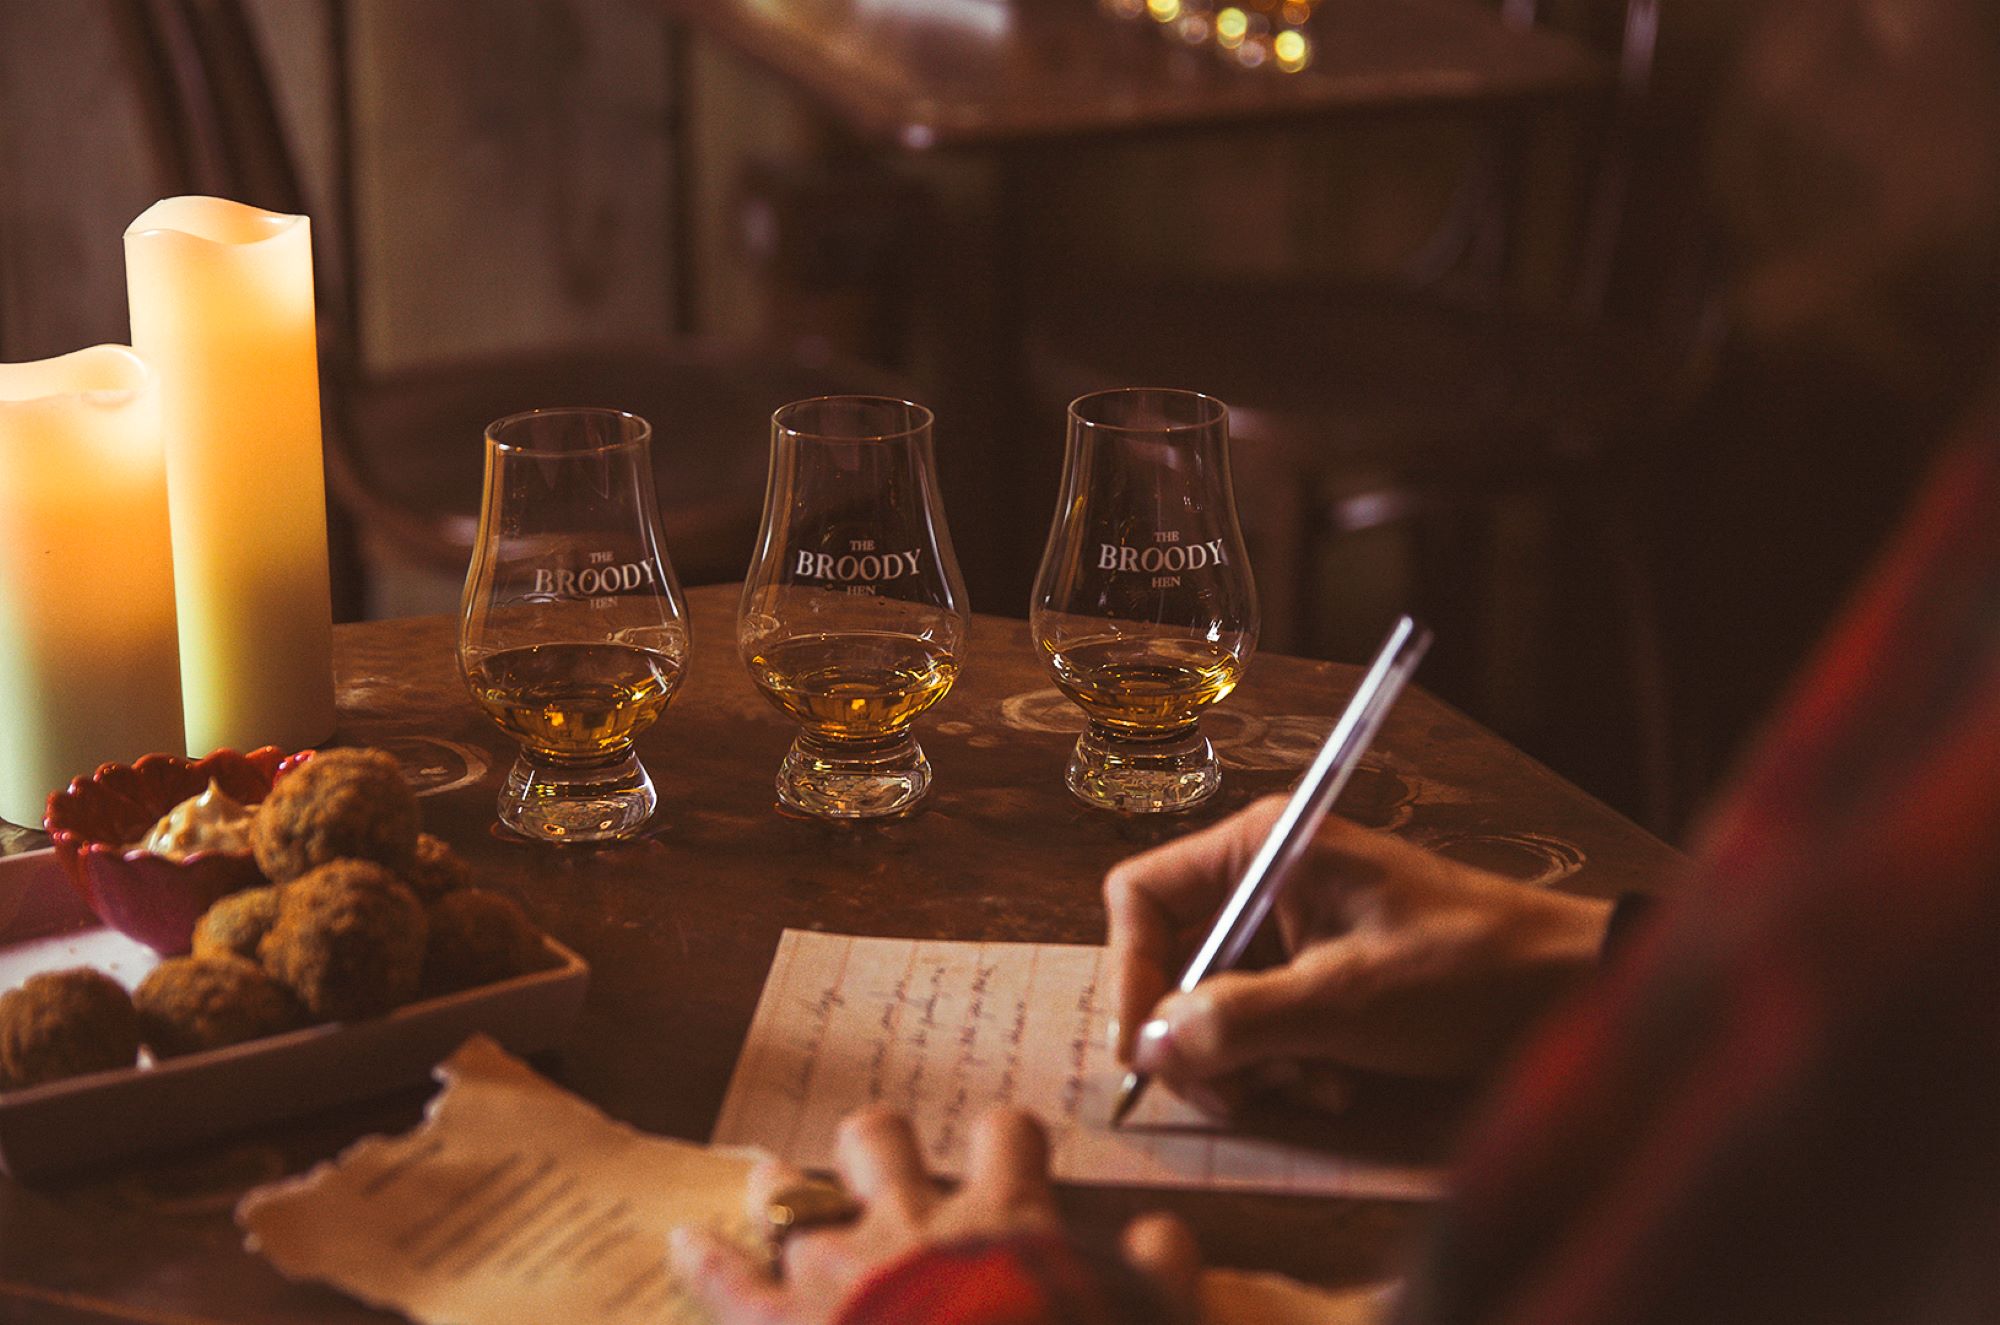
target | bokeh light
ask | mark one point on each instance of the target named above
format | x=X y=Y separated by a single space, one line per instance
x=1292 y=49
x=1247 y=33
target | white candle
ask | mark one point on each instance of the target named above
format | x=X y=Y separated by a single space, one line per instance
x=89 y=670
x=222 y=307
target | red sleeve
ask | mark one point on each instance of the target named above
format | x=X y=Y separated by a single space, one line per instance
x=1780 y=1104
x=1021 y=1280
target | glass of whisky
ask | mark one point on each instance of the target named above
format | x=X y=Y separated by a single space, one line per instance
x=571 y=636
x=1144 y=608
x=853 y=617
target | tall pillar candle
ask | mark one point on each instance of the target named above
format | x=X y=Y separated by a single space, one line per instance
x=222 y=307
x=89 y=668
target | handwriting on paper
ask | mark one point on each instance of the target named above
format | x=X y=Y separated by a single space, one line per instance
x=516 y=1203
x=943 y=1030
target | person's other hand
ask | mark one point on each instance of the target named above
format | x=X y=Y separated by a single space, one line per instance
x=1400 y=961
x=1005 y=1191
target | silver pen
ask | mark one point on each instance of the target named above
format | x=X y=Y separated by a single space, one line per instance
x=1269 y=870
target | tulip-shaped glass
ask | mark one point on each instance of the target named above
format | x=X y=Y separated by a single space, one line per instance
x=854 y=617
x=1144 y=606
x=572 y=636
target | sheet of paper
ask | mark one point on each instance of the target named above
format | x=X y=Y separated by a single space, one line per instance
x=517 y=1202
x=1239 y=1297
x=942 y=1030
x=514 y=1202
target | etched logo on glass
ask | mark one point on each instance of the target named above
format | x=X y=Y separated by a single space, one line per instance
x=858 y=570
x=1165 y=560
x=597 y=582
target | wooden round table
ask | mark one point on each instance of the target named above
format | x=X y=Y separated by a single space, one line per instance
x=679 y=929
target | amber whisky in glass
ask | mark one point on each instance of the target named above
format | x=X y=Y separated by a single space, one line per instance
x=1144 y=608
x=572 y=636
x=854 y=617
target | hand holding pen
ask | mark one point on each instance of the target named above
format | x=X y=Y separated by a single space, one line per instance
x=1400 y=961
x=1291 y=833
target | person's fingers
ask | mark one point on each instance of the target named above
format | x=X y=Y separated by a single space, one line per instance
x=876 y=1153
x=1240 y=1018
x=1152 y=898
x=735 y=1289
x=1183 y=881
x=1220 y=1099
x=767 y=1178
x=1007 y=1160
x=1140 y=979
x=1140 y=942
x=1321 y=1087
x=1281 y=1082
x=1160 y=1246
x=1344 y=866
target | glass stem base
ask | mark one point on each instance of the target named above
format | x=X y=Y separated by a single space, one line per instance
x=1162 y=775
x=853 y=780
x=561 y=803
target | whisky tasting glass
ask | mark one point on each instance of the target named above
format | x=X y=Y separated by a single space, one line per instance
x=853 y=617
x=1144 y=608
x=571 y=634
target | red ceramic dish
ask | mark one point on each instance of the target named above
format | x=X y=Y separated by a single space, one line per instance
x=143 y=896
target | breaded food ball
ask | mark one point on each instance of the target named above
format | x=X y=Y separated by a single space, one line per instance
x=437 y=869
x=349 y=941
x=63 y=1024
x=478 y=937
x=236 y=924
x=187 y=1004
x=338 y=805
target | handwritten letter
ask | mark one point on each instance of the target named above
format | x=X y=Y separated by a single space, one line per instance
x=943 y=1030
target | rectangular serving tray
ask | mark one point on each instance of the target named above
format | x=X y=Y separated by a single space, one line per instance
x=109 y=1116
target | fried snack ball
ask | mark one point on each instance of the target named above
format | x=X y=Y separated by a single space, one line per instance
x=188 y=1004
x=338 y=805
x=478 y=937
x=63 y=1024
x=437 y=869
x=349 y=941
x=236 y=924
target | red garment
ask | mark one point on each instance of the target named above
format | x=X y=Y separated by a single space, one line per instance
x=1784 y=1103
x=1025 y=1280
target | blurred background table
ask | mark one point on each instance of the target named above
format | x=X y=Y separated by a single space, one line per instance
x=1019 y=98
x=983 y=73
x=679 y=929
x=1390 y=264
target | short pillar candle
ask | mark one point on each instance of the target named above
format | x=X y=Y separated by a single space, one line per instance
x=89 y=668
x=222 y=307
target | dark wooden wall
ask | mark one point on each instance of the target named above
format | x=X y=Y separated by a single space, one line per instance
x=511 y=167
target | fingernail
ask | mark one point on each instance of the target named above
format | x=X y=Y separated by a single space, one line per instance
x=1154 y=1047
x=1111 y=1029
x=681 y=1245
